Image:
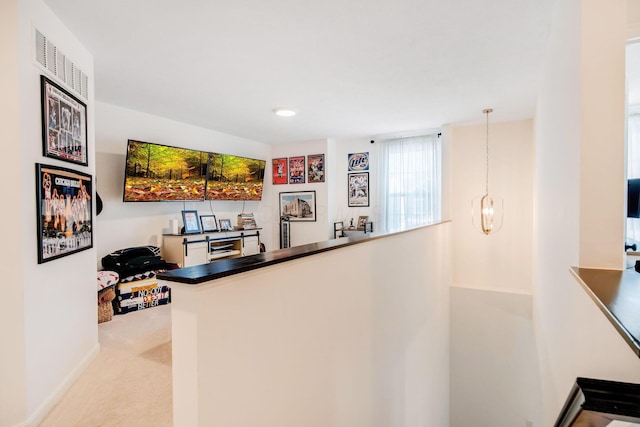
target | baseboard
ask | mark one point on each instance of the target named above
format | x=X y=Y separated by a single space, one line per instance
x=47 y=405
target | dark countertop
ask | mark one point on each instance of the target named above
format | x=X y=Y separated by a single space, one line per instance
x=227 y=267
x=617 y=294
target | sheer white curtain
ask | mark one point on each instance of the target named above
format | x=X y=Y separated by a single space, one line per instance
x=410 y=182
x=633 y=168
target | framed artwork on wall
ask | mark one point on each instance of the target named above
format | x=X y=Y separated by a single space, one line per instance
x=315 y=168
x=296 y=170
x=64 y=124
x=280 y=171
x=190 y=221
x=358 y=162
x=298 y=206
x=65 y=214
x=358 y=189
x=208 y=223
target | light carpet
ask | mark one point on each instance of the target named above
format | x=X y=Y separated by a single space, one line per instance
x=129 y=382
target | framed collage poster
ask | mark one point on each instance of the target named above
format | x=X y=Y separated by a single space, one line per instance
x=280 y=171
x=296 y=170
x=65 y=214
x=315 y=168
x=64 y=124
x=358 y=190
x=298 y=205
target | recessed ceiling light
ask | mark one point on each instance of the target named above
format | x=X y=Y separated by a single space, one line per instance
x=284 y=112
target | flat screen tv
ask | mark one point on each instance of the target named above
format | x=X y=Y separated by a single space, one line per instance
x=234 y=178
x=156 y=173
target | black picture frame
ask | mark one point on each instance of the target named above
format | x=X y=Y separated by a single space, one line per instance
x=315 y=168
x=225 y=225
x=65 y=212
x=190 y=222
x=358 y=189
x=208 y=223
x=298 y=206
x=64 y=124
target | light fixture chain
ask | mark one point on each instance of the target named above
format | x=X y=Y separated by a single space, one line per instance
x=487 y=149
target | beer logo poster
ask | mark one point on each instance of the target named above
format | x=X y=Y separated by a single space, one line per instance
x=358 y=162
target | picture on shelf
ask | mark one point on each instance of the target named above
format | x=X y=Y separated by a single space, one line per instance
x=362 y=221
x=358 y=189
x=225 y=225
x=190 y=221
x=296 y=170
x=64 y=124
x=298 y=206
x=208 y=223
x=280 y=171
x=315 y=168
x=64 y=212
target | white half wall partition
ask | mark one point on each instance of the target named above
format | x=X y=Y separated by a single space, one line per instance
x=357 y=335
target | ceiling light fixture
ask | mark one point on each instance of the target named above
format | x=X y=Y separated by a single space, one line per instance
x=487 y=211
x=284 y=112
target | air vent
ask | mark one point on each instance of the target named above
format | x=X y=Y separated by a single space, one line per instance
x=58 y=64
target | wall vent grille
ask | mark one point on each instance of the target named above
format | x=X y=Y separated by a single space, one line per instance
x=58 y=64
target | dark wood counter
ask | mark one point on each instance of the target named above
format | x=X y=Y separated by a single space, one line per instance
x=617 y=294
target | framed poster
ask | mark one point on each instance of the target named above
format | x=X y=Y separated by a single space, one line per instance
x=208 y=223
x=296 y=170
x=65 y=214
x=298 y=205
x=315 y=168
x=190 y=221
x=280 y=171
x=64 y=124
x=358 y=189
x=358 y=162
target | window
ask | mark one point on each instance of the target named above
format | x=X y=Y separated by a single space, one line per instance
x=633 y=169
x=410 y=182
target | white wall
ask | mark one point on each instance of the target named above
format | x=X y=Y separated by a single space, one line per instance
x=500 y=261
x=341 y=210
x=573 y=337
x=58 y=301
x=12 y=351
x=493 y=364
x=300 y=344
x=303 y=232
x=122 y=225
x=494 y=369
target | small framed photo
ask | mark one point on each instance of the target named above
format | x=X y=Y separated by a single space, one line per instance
x=280 y=171
x=315 y=168
x=190 y=221
x=225 y=225
x=298 y=205
x=296 y=170
x=64 y=124
x=208 y=223
x=64 y=210
x=358 y=189
x=362 y=221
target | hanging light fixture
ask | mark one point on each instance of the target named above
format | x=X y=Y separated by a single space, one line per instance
x=487 y=210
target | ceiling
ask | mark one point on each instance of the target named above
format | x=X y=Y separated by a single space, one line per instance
x=351 y=68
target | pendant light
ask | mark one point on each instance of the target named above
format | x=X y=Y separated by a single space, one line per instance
x=487 y=210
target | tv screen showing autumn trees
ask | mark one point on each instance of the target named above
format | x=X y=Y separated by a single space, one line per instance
x=157 y=172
